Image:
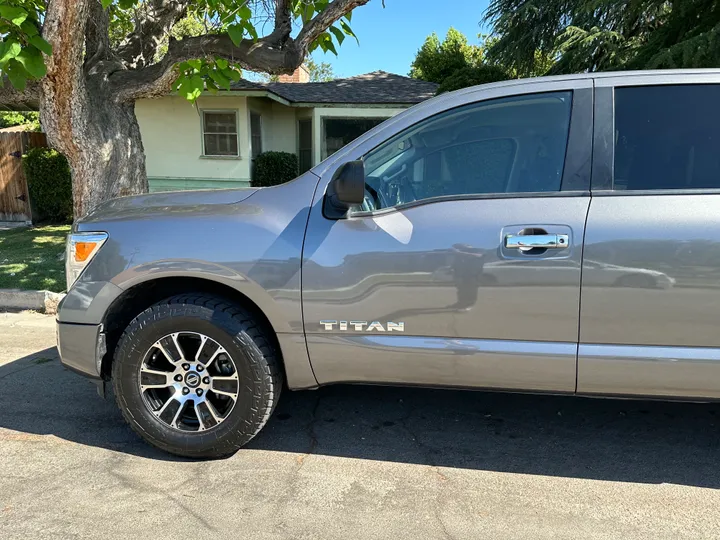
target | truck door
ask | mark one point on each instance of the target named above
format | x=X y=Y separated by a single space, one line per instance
x=410 y=288
x=651 y=275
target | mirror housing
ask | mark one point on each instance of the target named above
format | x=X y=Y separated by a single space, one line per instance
x=347 y=187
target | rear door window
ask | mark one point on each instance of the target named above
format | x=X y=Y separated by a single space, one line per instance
x=667 y=137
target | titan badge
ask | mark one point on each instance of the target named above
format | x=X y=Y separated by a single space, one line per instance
x=363 y=326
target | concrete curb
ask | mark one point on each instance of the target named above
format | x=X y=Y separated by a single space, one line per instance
x=43 y=301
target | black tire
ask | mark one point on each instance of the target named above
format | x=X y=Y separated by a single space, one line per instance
x=252 y=352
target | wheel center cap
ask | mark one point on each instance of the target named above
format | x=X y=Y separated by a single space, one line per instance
x=192 y=380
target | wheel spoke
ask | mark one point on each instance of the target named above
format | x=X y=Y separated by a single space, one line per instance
x=217 y=352
x=169 y=349
x=203 y=341
x=151 y=378
x=165 y=406
x=177 y=346
x=177 y=415
x=226 y=386
x=213 y=411
x=201 y=419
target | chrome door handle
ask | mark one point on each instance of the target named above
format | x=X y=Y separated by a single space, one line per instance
x=530 y=241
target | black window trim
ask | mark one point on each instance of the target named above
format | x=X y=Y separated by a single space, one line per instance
x=576 y=175
x=603 y=162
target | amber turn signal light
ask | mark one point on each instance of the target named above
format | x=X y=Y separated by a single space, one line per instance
x=83 y=250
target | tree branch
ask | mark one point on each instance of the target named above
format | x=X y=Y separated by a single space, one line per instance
x=323 y=20
x=138 y=50
x=275 y=53
x=97 y=36
x=283 y=21
x=19 y=100
x=156 y=80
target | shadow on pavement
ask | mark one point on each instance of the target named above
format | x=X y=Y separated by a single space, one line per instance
x=628 y=441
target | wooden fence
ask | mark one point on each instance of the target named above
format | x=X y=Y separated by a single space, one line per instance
x=14 y=196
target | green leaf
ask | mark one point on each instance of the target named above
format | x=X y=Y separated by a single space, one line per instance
x=127 y=4
x=33 y=62
x=338 y=34
x=346 y=28
x=348 y=16
x=41 y=44
x=235 y=32
x=191 y=88
x=30 y=28
x=251 y=30
x=195 y=64
x=14 y=14
x=234 y=74
x=221 y=63
x=221 y=80
x=330 y=46
x=17 y=74
x=106 y=3
x=244 y=12
x=307 y=13
x=10 y=49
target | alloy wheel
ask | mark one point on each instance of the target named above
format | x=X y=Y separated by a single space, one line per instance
x=189 y=381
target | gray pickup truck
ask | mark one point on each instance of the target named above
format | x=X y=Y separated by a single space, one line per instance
x=545 y=235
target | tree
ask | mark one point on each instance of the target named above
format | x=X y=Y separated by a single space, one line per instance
x=471 y=76
x=600 y=35
x=319 y=71
x=437 y=60
x=86 y=62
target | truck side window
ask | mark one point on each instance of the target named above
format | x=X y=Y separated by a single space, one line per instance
x=508 y=145
x=667 y=137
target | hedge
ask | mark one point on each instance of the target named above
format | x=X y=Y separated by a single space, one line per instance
x=49 y=183
x=273 y=168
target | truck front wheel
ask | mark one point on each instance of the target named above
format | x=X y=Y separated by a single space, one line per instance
x=196 y=376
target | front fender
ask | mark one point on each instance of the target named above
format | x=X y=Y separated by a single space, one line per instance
x=254 y=246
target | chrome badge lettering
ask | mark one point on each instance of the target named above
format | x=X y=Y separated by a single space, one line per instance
x=363 y=326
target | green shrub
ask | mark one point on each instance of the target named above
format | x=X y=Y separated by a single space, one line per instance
x=273 y=168
x=49 y=183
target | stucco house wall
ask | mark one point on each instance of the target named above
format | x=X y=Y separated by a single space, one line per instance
x=172 y=128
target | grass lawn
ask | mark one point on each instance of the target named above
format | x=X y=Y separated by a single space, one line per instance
x=32 y=258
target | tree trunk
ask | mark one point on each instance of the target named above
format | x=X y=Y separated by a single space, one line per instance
x=82 y=115
x=106 y=158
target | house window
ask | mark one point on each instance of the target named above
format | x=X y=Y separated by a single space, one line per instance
x=220 y=135
x=255 y=135
x=337 y=132
x=305 y=145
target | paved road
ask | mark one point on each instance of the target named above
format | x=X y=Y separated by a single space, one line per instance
x=354 y=462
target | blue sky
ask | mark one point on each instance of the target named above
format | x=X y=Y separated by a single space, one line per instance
x=390 y=37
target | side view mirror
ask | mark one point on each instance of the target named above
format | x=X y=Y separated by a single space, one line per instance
x=347 y=187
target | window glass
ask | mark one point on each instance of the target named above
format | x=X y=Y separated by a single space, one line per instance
x=667 y=137
x=509 y=145
x=220 y=133
x=337 y=132
x=255 y=134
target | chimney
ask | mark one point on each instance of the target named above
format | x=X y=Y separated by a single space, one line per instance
x=300 y=75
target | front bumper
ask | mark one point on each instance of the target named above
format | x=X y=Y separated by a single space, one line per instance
x=81 y=347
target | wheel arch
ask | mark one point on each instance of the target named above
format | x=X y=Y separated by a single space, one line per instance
x=137 y=298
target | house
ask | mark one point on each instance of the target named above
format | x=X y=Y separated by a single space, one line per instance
x=211 y=144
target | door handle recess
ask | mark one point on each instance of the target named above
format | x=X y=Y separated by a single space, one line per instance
x=530 y=241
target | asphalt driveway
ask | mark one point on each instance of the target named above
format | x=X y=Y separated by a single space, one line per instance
x=353 y=462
